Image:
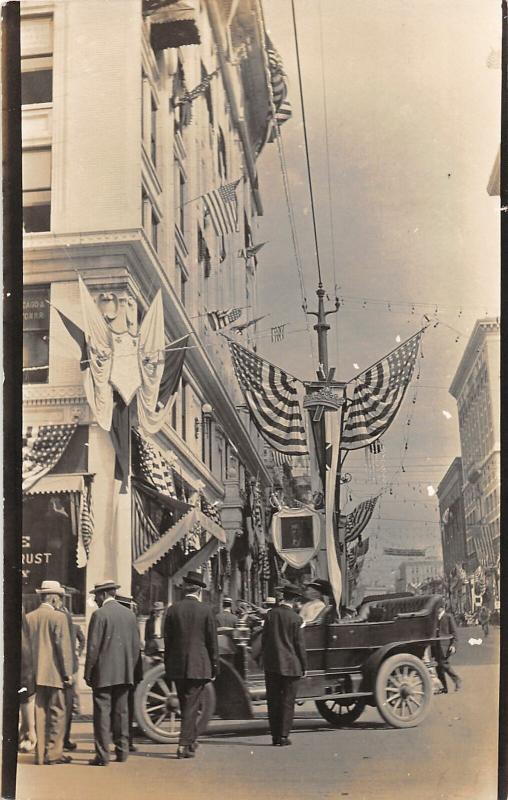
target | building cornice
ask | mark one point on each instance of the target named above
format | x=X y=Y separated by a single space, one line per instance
x=483 y=329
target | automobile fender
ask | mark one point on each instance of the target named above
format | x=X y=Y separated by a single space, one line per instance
x=233 y=699
x=372 y=664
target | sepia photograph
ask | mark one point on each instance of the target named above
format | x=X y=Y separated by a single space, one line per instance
x=256 y=521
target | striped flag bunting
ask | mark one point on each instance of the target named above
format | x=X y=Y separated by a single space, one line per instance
x=211 y=511
x=279 y=86
x=42 y=447
x=272 y=400
x=153 y=467
x=221 y=319
x=377 y=396
x=86 y=524
x=281 y=458
x=189 y=97
x=144 y=532
x=222 y=206
x=359 y=518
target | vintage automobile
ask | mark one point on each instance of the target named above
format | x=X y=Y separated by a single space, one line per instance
x=375 y=658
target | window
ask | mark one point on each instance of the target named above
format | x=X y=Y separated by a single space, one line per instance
x=183 y=410
x=181 y=200
x=221 y=156
x=37 y=189
x=36 y=334
x=153 y=132
x=36 y=60
x=182 y=279
x=150 y=219
x=155 y=230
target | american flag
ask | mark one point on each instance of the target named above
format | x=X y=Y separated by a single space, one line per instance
x=359 y=518
x=272 y=399
x=43 y=445
x=86 y=522
x=222 y=206
x=279 y=86
x=144 y=532
x=198 y=90
x=280 y=458
x=211 y=511
x=221 y=319
x=356 y=554
x=377 y=396
x=155 y=469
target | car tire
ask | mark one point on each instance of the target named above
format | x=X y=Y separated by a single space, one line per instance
x=339 y=712
x=403 y=690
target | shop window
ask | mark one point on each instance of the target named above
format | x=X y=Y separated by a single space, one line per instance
x=36 y=334
x=37 y=190
x=36 y=81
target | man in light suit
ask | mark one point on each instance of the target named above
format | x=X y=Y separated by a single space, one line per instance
x=191 y=654
x=284 y=660
x=112 y=653
x=52 y=661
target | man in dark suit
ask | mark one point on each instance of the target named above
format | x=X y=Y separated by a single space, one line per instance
x=226 y=618
x=284 y=660
x=442 y=651
x=112 y=653
x=154 y=629
x=52 y=662
x=191 y=655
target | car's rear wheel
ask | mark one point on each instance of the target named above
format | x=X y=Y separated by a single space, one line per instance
x=403 y=690
x=157 y=709
x=340 y=712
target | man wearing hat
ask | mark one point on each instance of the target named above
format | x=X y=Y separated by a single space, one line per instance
x=154 y=629
x=191 y=656
x=285 y=661
x=52 y=663
x=314 y=605
x=226 y=618
x=111 y=656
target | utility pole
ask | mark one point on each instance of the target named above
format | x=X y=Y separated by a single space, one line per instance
x=325 y=386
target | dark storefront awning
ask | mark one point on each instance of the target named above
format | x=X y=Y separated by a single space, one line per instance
x=198 y=559
x=173 y=24
x=57 y=484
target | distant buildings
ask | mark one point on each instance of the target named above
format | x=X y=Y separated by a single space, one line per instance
x=451 y=514
x=417 y=571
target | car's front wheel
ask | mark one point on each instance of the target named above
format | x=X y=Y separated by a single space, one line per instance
x=403 y=690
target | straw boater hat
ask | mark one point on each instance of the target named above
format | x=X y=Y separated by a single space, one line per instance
x=104 y=587
x=194 y=579
x=51 y=587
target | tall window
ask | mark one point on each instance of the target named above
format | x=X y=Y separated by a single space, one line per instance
x=37 y=189
x=153 y=132
x=36 y=60
x=36 y=334
x=181 y=201
x=183 y=410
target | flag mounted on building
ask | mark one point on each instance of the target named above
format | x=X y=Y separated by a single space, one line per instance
x=42 y=447
x=219 y=320
x=272 y=399
x=356 y=522
x=86 y=523
x=250 y=252
x=244 y=325
x=201 y=88
x=279 y=86
x=377 y=395
x=222 y=206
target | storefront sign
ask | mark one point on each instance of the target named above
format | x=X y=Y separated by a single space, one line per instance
x=35 y=309
x=296 y=535
x=31 y=560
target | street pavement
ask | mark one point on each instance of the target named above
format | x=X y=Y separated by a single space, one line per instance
x=452 y=755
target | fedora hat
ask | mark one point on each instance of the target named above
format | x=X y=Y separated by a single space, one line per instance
x=51 y=587
x=104 y=587
x=158 y=606
x=290 y=589
x=321 y=585
x=194 y=579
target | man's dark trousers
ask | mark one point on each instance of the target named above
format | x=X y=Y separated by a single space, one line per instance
x=111 y=713
x=280 y=696
x=189 y=694
x=443 y=667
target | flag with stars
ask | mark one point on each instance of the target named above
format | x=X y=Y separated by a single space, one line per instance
x=42 y=447
x=377 y=395
x=221 y=205
x=272 y=399
x=359 y=518
x=152 y=466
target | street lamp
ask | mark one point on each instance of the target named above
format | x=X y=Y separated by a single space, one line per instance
x=206 y=415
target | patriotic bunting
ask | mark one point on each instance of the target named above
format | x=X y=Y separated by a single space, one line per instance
x=43 y=445
x=144 y=532
x=153 y=467
x=377 y=396
x=279 y=87
x=198 y=90
x=222 y=206
x=272 y=400
x=359 y=518
x=86 y=524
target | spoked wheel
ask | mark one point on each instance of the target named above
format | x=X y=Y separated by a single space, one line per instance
x=340 y=712
x=157 y=709
x=403 y=690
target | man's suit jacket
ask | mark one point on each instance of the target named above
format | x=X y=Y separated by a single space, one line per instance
x=113 y=646
x=283 y=644
x=191 y=648
x=51 y=646
x=226 y=619
x=445 y=627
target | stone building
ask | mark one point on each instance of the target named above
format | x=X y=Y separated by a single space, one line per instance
x=117 y=155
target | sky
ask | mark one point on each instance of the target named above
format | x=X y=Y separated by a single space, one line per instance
x=403 y=118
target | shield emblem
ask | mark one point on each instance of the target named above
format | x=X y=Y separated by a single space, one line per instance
x=125 y=373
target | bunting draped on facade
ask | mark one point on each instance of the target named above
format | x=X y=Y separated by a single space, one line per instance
x=153 y=467
x=272 y=400
x=219 y=320
x=42 y=447
x=221 y=205
x=279 y=87
x=377 y=395
x=356 y=522
x=193 y=94
x=86 y=523
x=144 y=532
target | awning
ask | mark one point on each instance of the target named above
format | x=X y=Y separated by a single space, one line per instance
x=174 y=24
x=159 y=549
x=57 y=484
x=165 y=500
x=199 y=558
